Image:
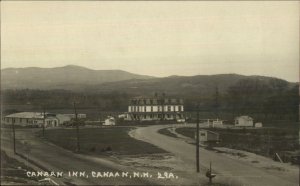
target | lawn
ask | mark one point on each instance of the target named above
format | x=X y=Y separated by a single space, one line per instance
x=265 y=141
x=100 y=141
x=166 y=132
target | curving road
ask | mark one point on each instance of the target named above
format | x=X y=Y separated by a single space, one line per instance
x=227 y=169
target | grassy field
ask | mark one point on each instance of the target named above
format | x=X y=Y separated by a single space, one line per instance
x=166 y=132
x=265 y=141
x=100 y=141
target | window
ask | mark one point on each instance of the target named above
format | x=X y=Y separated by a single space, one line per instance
x=180 y=109
x=151 y=109
x=202 y=134
x=169 y=108
x=145 y=109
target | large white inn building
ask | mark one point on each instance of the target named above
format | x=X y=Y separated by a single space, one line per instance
x=155 y=108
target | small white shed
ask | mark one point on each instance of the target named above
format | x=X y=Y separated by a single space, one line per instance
x=214 y=123
x=243 y=121
x=258 y=125
x=208 y=136
x=109 y=121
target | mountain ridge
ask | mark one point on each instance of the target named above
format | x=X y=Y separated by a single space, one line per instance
x=77 y=78
x=48 y=78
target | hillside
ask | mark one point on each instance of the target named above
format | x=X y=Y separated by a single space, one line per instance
x=69 y=77
x=201 y=85
x=80 y=79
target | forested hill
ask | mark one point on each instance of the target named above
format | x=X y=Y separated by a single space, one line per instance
x=80 y=79
x=200 y=85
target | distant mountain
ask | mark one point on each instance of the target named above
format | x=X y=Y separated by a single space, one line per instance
x=76 y=78
x=69 y=77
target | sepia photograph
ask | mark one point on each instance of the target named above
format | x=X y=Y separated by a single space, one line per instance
x=150 y=93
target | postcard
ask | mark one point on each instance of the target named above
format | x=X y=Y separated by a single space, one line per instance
x=150 y=93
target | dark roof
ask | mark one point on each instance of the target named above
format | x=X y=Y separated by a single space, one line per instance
x=155 y=101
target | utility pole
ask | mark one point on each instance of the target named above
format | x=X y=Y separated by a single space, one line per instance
x=217 y=102
x=14 y=134
x=197 y=141
x=44 y=120
x=269 y=143
x=210 y=178
x=163 y=105
x=77 y=128
x=99 y=111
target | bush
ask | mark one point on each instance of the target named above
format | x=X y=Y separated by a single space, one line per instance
x=93 y=149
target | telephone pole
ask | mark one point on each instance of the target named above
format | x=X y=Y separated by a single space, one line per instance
x=269 y=143
x=197 y=141
x=14 y=135
x=44 y=120
x=163 y=105
x=77 y=128
x=217 y=102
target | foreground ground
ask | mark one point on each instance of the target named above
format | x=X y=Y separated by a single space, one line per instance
x=180 y=161
x=229 y=170
x=13 y=172
x=54 y=158
x=263 y=141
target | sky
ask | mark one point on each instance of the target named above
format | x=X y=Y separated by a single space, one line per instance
x=154 y=38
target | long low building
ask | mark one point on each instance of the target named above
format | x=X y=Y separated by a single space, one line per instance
x=31 y=118
x=155 y=108
x=37 y=119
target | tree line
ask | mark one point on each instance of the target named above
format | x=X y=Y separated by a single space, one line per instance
x=270 y=100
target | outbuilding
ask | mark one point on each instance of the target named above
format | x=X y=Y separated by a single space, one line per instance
x=208 y=136
x=31 y=119
x=109 y=121
x=214 y=123
x=258 y=125
x=243 y=121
